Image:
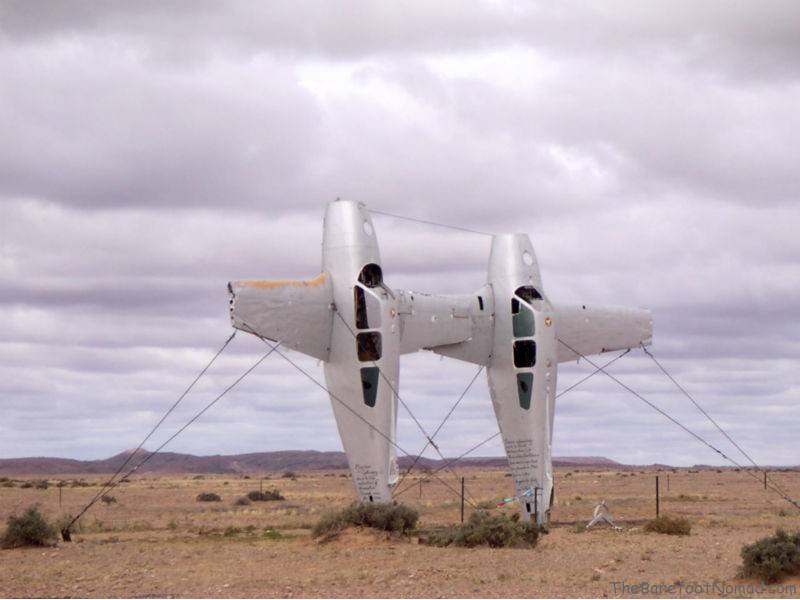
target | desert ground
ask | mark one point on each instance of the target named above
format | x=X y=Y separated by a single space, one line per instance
x=157 y=540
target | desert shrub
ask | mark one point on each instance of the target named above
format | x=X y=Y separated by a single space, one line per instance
x=208 y=497
x=772 y=558
x=40 y=485
x=8 y=484
x=267 y=496
x=232 y=531
x=669 y=525
x=198 y=477
x=579 y=527
x=31 y=529
x=289 y=475
x=108 y=499
x=386 y=517
x=483 y=529
x=79 y=483
x=172 y=525
x=26 y=484
x=272 y=534
x=243 y=501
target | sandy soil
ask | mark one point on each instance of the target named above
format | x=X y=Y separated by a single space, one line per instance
x=157 y=540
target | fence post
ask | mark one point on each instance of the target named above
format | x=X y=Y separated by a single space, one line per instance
x=657 y=500
x=462 y=499
x=765 y=479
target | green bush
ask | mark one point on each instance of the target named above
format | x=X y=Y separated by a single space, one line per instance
x=483 y=529
x=31 y=529
x=267 y=496
x=386 y=517
x=208 y=497
x=669 y=525
x=772 y=558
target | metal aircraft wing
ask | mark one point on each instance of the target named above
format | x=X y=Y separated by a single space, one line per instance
x=428 y=321
x=595 y=329
x=295 y=312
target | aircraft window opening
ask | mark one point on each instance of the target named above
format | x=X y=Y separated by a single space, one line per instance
x=514 y=306
x=524 y=389
x=523 y=322
x=368 y=346
x=369 y=384
x=371 y=275
x=528 y=506
x=524 y=354
x=480 y=302
x=360 y=303
x=528 y=293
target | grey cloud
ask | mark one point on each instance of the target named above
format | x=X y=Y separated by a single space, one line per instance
x=152 y=154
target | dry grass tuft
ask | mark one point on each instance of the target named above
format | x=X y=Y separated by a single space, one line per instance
x=208 y=497
x=483 y=529
x=386 y=517
x=669 y=525
x=268 y=496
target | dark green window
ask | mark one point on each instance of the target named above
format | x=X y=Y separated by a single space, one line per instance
x=369 y=384
x=523 y=322
x=524 y=389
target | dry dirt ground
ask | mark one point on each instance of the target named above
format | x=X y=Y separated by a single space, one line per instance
x=157 y=540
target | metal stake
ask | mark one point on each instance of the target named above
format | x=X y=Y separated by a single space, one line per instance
x=657 y=502
x=462 y=499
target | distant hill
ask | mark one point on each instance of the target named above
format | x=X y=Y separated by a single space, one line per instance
x=295 y=460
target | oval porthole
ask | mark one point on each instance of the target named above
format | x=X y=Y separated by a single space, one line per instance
x=527 y=258
x=367 y=228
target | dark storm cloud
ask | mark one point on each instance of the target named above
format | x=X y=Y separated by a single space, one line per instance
x=152 y=153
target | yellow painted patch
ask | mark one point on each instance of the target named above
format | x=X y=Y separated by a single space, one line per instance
x=317 y=281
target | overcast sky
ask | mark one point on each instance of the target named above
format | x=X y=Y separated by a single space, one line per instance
x=152 y=151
